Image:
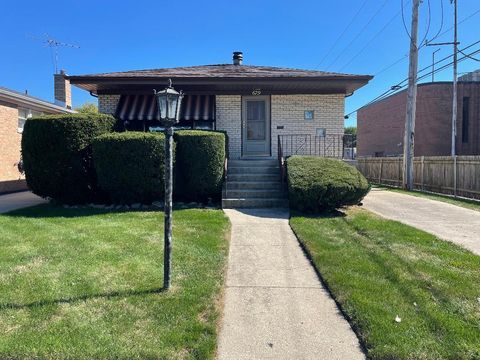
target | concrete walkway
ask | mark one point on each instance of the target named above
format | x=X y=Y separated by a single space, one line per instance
x=275 y=306
x=19 y=200
x=447 y=221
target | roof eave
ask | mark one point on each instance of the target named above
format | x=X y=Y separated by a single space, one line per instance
x=37 y=104
x=348 y=83
x=78 y=79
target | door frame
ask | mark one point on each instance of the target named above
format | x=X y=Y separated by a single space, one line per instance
x=268 y=125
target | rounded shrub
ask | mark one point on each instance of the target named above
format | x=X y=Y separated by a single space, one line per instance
x=57 y=155
x=130 y=166
x=318 y=184
x=200 y=160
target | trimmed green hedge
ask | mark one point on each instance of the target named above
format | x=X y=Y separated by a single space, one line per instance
x=57 y=156
x=130 y=166
x=200 y=163
x=318 y=184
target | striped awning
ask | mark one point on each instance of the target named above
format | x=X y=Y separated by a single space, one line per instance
x=144 y=108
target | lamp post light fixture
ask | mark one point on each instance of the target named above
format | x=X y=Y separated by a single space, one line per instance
x=169 y=102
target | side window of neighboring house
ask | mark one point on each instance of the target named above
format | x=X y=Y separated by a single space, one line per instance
x=23 y=115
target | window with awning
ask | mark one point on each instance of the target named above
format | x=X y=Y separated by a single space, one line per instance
x=140 y=111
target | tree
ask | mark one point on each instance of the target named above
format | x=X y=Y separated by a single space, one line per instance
x=351 y=138
x=87 y=108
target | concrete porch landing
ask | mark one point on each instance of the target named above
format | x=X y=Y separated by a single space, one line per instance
x=275 y=306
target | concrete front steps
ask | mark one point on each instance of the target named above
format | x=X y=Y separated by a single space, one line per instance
x=253 y=184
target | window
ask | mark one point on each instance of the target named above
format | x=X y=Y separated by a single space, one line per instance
x=23 y=115
x=465 y=119
x=321 y=132
x=308 y=115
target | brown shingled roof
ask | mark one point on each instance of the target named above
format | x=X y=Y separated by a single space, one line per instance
x=222 y=79
x=221 y=71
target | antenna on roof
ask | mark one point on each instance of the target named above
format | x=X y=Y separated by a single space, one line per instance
x=53 y=44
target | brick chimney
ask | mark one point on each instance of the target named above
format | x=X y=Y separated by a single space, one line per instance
x=63 y=90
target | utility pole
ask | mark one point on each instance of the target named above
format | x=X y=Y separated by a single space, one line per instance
x=433 y=64
x=408 y=142
x=455 y=44
x=455 y=74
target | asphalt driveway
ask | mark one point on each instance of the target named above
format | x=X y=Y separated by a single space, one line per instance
x=448 y=222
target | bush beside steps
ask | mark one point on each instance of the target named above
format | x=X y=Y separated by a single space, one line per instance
x=130 y=166
x=200 y=161
x=318 y=184
x=76 y=159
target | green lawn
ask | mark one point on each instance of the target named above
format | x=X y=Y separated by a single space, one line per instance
x=466 y=203
x=86 y=284
x=377 y=269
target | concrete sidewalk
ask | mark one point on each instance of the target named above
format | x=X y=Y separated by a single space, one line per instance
x=275 y=306
x=19 y=200
x=449 y=222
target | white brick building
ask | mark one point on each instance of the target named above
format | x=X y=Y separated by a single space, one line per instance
x=253 y=104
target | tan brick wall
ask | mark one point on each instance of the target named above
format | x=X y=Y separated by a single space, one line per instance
x=10 y=142
x=289 y=111
x=286 y=111
x=228 y=118
x=107 y=104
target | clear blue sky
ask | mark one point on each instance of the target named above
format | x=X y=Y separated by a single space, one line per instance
x=126 y=35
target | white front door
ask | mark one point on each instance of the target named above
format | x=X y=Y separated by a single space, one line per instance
x=256 y=125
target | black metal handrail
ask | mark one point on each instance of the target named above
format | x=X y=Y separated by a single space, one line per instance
x=340 y=146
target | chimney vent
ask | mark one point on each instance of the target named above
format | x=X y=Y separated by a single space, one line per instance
x=237 y=58
x=62 y=90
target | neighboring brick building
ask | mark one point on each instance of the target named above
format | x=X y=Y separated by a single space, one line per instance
x=381 y=125
x=15 y=108
x=253 y=104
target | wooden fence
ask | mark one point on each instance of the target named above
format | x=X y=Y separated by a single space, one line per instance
x=458 y=175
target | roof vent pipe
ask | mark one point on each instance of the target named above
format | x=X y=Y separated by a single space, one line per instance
x=237 y=58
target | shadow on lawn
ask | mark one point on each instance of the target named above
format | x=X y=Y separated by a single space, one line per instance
x=56 y=211
x=324 y=215
x=109 y=295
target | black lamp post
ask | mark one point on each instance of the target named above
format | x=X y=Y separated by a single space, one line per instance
x=168 y=101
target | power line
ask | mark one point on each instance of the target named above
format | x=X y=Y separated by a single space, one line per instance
x=396 y=88
x=470 y=57
x=341 y=35
x=399 y=86
x=391 y=65
x=441 y=22
x=460 y=22
x=428 y=22
x=388 y=67
x=403 y=20
x=371 y=40
x=358 y=34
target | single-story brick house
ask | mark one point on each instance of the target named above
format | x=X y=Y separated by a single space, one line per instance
x=253 y=104
x=15 y=108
